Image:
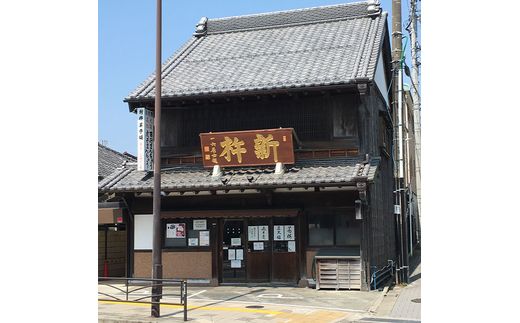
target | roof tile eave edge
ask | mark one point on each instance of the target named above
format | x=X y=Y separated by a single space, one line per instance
x=138 y=90
x=252 y=91
x=379 y=39
x=231 y=187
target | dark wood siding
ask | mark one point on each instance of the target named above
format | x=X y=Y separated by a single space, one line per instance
x=379 y=225
x=312 y=117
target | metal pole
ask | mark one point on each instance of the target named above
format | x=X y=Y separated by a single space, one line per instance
x=410 y=214
x=398 y=143
x=156 y=248
x=185 y=283
x=407 y=171
x=402 y=183
x=415 y=48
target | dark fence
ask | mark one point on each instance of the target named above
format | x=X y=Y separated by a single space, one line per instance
x=131 y=290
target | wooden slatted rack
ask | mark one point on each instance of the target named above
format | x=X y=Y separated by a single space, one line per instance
x=338 y=272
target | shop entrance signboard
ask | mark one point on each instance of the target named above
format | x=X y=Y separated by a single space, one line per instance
x=247 y=148
x=145 y=120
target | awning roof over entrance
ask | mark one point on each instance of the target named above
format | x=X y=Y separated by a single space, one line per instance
x=345 y=171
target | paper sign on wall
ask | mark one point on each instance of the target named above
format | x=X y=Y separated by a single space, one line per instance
x=231 y=254
x=252 y=233
x=176 y=230
x=204 y=238
x=235 y=242
x=278 y=232
x=289 y=232
x=193 y=242
x=199 y=224
x=239 y=254
x=236 y=263
x=258 y=246
x=291 y=246
x=263 y=232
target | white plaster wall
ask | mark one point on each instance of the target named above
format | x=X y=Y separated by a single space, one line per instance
x=380 y=78
x=143 y=231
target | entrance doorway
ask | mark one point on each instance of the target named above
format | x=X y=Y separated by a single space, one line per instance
x=233 y=255
x=112 y=250
x=259 y=250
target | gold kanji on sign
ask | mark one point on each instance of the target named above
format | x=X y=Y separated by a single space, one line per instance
x=247 y=147
x=263 y=147
x=232 y=147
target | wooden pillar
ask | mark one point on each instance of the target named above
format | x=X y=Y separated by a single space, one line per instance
x=365 y=248
x=302 y=242
x=214 y=242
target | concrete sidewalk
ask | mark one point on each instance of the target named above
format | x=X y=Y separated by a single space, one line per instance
x=256 y=304
x=402 y=303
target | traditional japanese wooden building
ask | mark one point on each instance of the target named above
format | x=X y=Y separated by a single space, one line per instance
x=113 y=249
x=322 y=75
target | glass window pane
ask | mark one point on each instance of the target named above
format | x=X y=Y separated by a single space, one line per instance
x=321 y=230
x=348 y=230
x=345 y=122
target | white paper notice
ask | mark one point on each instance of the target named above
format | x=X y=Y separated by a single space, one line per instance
x=193 y=242
x=236 y=263
x=204 y=238
x=199 y=224
x=240 y=254
x=289 y=232
x=291 y=246
x=278 y=232
x=263 y=232
x=258 y=246
x=231 y=254
x=252 y=233
x=235 y=242
x=176 y=230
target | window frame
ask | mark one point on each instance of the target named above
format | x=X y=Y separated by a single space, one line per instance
x=349 y=212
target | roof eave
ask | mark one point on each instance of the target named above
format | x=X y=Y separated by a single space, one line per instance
x=345 y=185
x=134 y=103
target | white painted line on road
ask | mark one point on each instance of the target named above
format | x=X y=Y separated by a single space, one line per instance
x=197 y=293
x=278 y=296
x=279 y=304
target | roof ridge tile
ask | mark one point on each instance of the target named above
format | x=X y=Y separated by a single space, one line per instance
x=288 y=17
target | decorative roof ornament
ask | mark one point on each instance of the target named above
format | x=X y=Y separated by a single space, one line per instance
x=201 y=27
x=374 y=6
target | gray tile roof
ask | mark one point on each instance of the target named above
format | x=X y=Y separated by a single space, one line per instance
x=109 y=160
x=344 y=171
x=332 y=45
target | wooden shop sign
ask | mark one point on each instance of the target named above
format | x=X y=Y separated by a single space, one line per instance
x=247 y=148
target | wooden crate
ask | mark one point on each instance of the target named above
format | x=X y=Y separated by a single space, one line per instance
x=338 y=273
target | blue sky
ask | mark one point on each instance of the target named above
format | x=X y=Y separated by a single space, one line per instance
x=126 y=51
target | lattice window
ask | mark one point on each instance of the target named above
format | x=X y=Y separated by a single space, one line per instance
x=311 y=123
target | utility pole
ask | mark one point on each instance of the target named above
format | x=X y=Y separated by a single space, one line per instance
x=156 y=247
x=416 y=48
x=397 y=112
